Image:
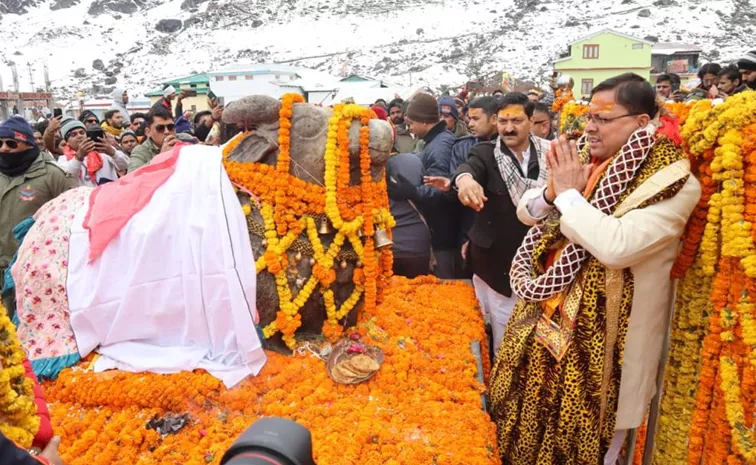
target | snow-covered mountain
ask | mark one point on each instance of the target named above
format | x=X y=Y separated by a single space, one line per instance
x=91 y=44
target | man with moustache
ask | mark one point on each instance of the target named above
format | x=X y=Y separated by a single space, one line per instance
x=404 y=142
x=577 y=367
x=491 y=182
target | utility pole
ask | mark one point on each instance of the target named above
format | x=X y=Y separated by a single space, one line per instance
x=48 y=87
x=3 y=103
x=20 y=101
x=31 y=77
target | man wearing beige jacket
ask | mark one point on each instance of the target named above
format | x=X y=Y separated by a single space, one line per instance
x=593 y=279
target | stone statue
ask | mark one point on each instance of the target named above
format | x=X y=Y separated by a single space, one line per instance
x=259 y=117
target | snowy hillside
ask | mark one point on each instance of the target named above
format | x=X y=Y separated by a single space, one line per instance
x=435 y=41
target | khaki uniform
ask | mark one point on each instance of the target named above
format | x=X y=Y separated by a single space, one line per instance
x=143 y=155
x=22 y=196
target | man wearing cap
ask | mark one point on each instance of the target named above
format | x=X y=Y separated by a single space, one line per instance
x=747 y=68
x=89 y=119
x=426 y=124
x=449 y=113
x=92 y=163
x=27 y=181
x=169 y=94
x=128 y=141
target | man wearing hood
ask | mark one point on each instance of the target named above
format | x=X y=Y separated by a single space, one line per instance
x=27 y=181
x=120 y=100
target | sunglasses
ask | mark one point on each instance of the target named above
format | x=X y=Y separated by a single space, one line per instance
x=162 y=127
x=91 y=121
x=11 y=144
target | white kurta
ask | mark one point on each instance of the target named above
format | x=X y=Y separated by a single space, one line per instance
x=645 y=240
x=175 y=290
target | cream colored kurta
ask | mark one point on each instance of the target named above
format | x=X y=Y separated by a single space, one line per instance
x=646 y=241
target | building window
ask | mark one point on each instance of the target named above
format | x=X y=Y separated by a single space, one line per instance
x=194 y=108
x=591 y=52
x=232 y=78
x=249 y=77
x=638 y=46
x=218 y=78
x=586 y=86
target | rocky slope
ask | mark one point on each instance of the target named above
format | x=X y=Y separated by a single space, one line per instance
x=94 y=44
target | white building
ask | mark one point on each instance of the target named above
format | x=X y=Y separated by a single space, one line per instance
x=239 y=80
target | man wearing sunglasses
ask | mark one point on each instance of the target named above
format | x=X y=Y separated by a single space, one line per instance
x=27 y=181
x=160 y=133
x=89 y=119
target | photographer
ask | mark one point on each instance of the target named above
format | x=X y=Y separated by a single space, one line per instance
x=89 y=157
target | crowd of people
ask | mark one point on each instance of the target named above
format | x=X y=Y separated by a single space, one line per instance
x=483 y=188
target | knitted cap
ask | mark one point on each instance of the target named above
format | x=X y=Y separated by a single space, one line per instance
x=447 y=106
x=423 y=108
x=18 y=129
x=168 y=91
x=748 y=62
x=68 y=125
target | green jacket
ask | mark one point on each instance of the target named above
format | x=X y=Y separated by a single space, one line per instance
x=143 y=154
x=404 y=142
x=460 y=130
x=22 y=196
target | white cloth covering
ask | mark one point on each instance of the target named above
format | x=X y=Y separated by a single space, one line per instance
x=175 y=290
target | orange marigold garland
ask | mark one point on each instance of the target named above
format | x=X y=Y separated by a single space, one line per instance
x=419 y=409
x=287 y=208
x=718 y=289
x=561 y=98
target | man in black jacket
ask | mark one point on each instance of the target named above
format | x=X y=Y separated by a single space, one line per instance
x=491 y=182
x=425 y=123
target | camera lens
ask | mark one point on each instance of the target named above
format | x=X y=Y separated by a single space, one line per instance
x=272 y=441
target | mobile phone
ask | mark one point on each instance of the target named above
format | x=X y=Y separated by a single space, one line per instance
x=189 y=93
x=211 y=95
x=95 y=134
x=57 y=112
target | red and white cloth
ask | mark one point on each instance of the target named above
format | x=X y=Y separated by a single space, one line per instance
x=172 y=285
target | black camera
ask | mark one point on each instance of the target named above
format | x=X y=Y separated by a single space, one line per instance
x=271 y=441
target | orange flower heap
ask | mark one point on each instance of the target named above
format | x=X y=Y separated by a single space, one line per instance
x=288 y=207
x=419 y=408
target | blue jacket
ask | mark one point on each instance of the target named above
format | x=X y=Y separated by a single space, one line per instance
x=435 y=206
x=10 y=453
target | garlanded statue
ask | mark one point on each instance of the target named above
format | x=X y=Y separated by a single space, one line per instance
x=163 y=270
x=312 y=182
x=563 y=93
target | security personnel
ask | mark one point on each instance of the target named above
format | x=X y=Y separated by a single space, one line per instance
x=27 y=181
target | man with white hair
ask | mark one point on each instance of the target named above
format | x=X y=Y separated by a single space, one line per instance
x=169 y=94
